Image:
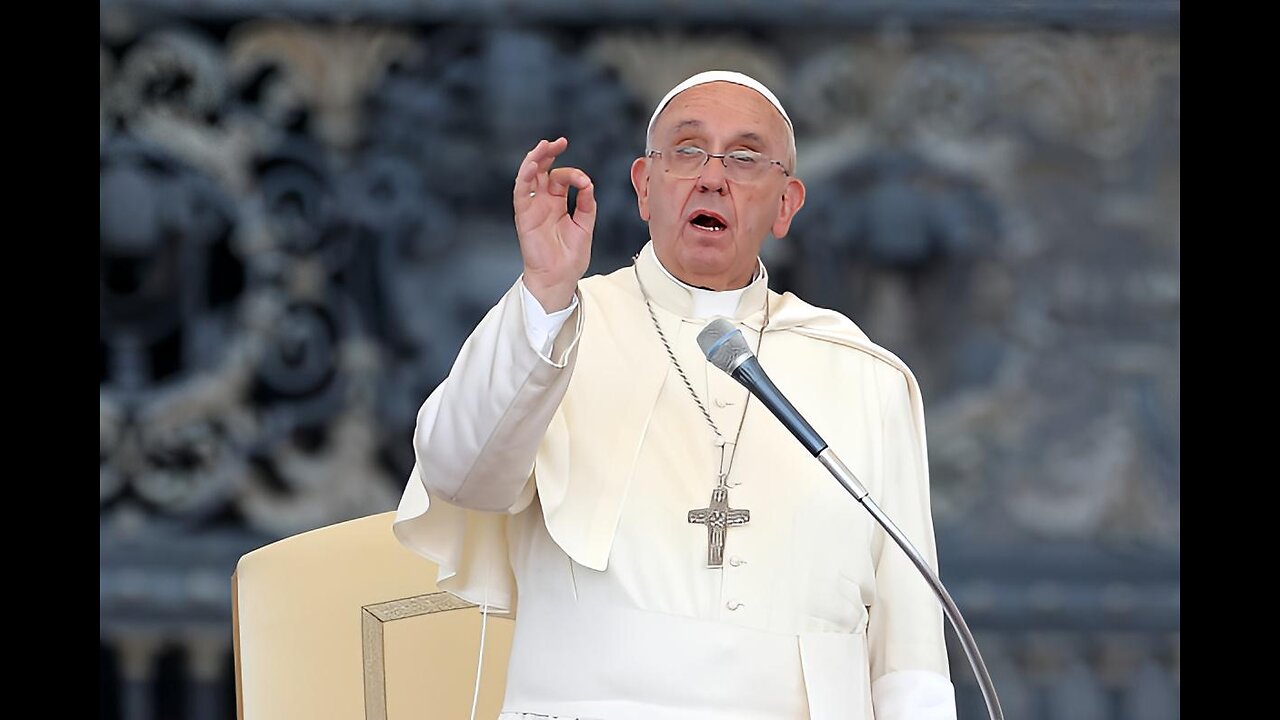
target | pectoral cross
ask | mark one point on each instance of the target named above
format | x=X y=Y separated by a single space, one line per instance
x=718 y=517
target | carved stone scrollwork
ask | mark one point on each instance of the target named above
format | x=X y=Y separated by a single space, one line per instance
x=326 y=70
x=944 y=93
x=892 y=214
x=194 y=445
x=427 y=110
x=832 y=90
x=139 y=261
x=294 y=196
x=171 y=432
x=1098 y=94
x=386 y=195
x=111 y=424
x=177 y=72
x=651 y=63
x=317 y=473
x=300 y=356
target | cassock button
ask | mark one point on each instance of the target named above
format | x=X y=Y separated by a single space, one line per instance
x=733 y=605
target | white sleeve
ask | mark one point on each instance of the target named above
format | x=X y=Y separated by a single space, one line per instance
x=541 y=328
x=909 y=668
x=478 y=433
x=913 y=695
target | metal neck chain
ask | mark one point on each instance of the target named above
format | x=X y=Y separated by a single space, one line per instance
x=689 y=386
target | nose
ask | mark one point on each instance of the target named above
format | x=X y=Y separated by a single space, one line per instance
x=712 y=177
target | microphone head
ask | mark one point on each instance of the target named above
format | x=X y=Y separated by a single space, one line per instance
x=722 y=342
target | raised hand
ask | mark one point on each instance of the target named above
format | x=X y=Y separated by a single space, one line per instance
x=555 y=245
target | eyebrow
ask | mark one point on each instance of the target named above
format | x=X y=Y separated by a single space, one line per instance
x=697 y=124
x=686 y=123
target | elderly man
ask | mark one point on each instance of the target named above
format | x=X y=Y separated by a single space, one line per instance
x=673 y=552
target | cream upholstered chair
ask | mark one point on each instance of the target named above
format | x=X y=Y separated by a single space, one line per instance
x=343 y=622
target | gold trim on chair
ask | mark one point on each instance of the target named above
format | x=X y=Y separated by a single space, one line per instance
x=372 y=621
x=235 y=644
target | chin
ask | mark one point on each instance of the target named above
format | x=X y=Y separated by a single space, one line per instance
x=711 y=263
x=705 y=259
x=708 y=257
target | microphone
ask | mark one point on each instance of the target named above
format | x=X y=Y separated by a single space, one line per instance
x=725 y=348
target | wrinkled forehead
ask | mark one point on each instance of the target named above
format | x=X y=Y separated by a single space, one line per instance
x=703 y=80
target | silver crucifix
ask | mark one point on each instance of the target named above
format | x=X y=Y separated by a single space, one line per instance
x=718 y=517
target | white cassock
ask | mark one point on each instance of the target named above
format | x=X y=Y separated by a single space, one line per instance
x=580 y=452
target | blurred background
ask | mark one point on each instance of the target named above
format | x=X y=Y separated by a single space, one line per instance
x=305 y=208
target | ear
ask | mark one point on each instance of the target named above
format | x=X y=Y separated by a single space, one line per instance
x=792 y=201
x=640 y=181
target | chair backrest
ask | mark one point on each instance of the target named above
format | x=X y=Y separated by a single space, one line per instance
x=344 y=622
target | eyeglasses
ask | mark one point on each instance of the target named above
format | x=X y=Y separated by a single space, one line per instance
x=744 y=166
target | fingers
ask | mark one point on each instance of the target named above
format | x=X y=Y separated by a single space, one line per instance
x=537 y=163
x=584 y=213
x=545 y=153
x=559 y=180
x=537 y=182
x=528 y=179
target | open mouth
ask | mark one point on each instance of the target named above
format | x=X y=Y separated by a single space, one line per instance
x=709 y=222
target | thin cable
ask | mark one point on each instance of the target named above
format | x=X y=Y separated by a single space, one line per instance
x=484 y=626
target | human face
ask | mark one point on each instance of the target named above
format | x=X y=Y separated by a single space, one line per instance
x=718 y=117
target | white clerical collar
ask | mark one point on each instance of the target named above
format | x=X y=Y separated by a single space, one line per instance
x=710 y=303
x=677 y=297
